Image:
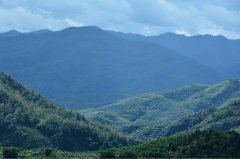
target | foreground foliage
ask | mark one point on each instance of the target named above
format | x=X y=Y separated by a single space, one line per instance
x=208 y=143
x=199 y=144
x=46 y=153
x=10 y=152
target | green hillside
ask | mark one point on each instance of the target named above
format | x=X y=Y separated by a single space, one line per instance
x=150 y=116
x=225 y=117
x=133 y=113
x=199 y=144
x=29 y=121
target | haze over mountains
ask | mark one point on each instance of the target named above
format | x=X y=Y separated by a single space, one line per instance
x=216 y=52
x=90 y=67
x=87 y=66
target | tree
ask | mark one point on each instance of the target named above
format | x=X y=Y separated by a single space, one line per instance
x=10 y=152
x=107 y=154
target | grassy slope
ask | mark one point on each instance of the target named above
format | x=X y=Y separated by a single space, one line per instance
x=29 y=121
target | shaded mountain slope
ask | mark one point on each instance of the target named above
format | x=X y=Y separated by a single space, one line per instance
x=29 y=121
x=233 y=71
x=217 y=52
x=10 y=34
x=87 y=66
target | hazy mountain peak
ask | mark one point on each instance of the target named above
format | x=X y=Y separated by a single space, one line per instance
x=40 y=31
x=9 y=33
x=82 y=29
x=12 y=32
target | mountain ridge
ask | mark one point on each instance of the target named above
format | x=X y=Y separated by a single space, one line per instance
x=83 y=67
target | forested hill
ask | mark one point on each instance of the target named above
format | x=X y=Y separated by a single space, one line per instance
x=224 y=118
x=29 y=121
x=154 y=115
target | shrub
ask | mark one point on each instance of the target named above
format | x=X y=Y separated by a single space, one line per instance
x=10 y=152
x=107 y=154
x=128 y=154
x=48 y=152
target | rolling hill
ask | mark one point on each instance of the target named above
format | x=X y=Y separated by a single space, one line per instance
x=29 y=121
x=151 y=116
x=87 y=66
x=224 y=118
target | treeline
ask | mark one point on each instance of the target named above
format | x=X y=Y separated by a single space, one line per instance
x=13 y=152
x=199 y=144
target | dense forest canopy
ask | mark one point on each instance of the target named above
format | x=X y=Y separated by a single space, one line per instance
x=29 y=121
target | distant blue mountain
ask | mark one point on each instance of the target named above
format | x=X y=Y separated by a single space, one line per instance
x=10 y=33
x=87 y=66
x=217 y=52
x=39 y=31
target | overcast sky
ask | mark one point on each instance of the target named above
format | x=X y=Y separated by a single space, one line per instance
x=147 y=17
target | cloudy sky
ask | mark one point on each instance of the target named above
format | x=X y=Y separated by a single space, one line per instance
x=147 y=17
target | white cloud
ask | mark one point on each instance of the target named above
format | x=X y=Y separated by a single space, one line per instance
x=145 y=17
x=24 y=20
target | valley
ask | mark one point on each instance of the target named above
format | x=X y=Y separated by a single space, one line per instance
x=106 y=94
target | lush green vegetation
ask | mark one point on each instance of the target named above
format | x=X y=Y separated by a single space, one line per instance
x=199 y=144
x=136 y=112
x=223 y=118
x=150 y=116
x=40 y=129
x=12 y=152
x=29 y=121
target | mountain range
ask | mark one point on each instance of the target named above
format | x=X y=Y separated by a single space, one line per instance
x=216 y=52
x=90 y=67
